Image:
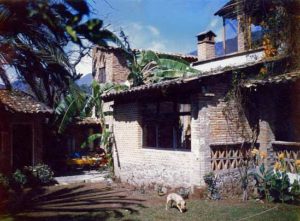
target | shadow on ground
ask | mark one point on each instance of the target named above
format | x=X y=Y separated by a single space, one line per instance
x=79 y=202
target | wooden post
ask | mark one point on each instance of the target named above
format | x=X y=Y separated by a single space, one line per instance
x=224 y=35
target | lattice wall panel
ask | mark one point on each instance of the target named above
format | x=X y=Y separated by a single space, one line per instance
x=291 y=154
x=227 y=157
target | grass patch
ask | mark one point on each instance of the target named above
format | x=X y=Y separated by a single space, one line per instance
x=197 y=210
x=222 y=210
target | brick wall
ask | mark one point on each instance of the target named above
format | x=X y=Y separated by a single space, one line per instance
x=137 y=165
x=113 y=60
x=206 y=50
x=240 y=35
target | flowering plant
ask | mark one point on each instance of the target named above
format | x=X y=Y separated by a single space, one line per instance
x=274 y=183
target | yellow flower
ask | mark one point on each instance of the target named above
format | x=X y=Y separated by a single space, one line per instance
x=254 y=152
x=281 y=156
x=277 y=166
x=263 y=155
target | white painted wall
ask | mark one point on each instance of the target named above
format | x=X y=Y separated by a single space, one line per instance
x=230 y=61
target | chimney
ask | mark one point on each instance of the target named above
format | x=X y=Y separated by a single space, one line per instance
x=206 y=45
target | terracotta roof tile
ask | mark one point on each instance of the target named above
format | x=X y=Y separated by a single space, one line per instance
x=17 y=101
x=176 y=82
x=282 y=78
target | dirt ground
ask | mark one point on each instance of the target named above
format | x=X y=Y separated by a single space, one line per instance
x=100 y=201
x=79 y=200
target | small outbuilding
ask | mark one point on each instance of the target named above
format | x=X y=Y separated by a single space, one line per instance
x=22 y=121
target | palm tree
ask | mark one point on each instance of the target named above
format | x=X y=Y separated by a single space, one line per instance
x=34 y=37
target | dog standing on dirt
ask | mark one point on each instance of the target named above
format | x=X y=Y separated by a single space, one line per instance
x=180 y=203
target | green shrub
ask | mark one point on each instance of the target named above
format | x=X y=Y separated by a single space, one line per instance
x=211 y=182
x=40 y=174
x=274 y=183
x=17 y=180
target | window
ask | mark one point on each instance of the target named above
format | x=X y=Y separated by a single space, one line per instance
x=166 y=124
x=102 y=75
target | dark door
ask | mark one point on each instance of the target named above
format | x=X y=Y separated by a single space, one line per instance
x=22 y=145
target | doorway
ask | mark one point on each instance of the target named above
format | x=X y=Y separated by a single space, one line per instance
x=22 y=142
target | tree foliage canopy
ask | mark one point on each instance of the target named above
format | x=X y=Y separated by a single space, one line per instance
x=34 y=35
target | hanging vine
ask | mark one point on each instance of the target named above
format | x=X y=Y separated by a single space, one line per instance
x=235 y=113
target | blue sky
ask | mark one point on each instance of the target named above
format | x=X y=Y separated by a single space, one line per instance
x=159 y=25
x=162 y=25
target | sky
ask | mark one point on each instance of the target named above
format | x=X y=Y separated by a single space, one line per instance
x=159 y=25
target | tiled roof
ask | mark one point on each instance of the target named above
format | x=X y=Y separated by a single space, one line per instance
x=87 y=121
x=16 y=101
x=186 y=57
x=175 y=82
x=283 y=78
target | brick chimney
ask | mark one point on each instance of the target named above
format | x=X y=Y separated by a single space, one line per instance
x=206 y=45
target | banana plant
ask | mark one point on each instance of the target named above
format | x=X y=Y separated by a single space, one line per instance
x=78 y=104
x=149 y=67
x=70 y=107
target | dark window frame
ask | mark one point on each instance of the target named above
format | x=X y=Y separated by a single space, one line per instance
x=161 y=121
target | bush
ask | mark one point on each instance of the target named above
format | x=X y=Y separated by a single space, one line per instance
x=211 y=182
x=38 y=175
x=17 y=180
x=274 y=184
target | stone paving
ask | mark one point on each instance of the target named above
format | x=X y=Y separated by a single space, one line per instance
x=91 y=176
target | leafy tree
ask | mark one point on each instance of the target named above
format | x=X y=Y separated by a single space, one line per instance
x=35 y=36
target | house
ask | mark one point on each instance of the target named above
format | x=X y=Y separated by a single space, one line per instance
x=176 y=131
x=22 y=121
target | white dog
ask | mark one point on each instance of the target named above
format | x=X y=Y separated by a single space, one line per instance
x=180 y=203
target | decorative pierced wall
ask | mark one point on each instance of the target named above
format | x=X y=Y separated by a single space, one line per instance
x=291 y=154
x=224 y=157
